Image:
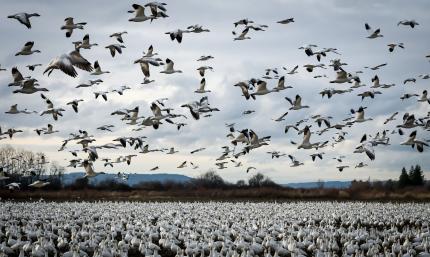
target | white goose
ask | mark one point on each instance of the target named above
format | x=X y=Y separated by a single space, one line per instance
x=201 y=89
x=365 y=147
x=113 y=48
x=24 y=18
x=297 y=103
x=89 y=171
x=261 y=89
x=75 y=104
x=412 y=141
x=373 y=33
x=39 y=184
x=281 y=85
x=202 y=70
x=27 y=49
x=424 y=97
x=139 y=14
x=98 y=70
x=29 y=87
x=411 y=23
x=294 y=161
x=50 y=130
x=85 y=44
x=169 y=67
x=242 y=35
x=172 y=151
x=306 y=143
x=360 y=115
x=70 y=26
x=66 y=62
x=118 y=36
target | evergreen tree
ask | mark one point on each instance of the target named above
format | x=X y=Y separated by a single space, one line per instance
x=416 y=176
x=404 y=178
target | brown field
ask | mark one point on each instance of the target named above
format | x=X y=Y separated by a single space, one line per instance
x=251 y=194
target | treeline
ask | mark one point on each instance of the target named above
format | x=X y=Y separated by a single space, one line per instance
x=208 y=180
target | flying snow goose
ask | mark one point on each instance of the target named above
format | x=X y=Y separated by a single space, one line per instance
x=75 y=104
x=197 y=29
x=244 y=87
x=306 y=143
x=14 y=110
x=33 y=66
x=409 y=80
x=182 y=165
x=66 y=62
x=360 y=165
x=294 y=161
x=113 y=48
x=281 y=118
x=118 y=36
x=243 y=137
x=201 y=89
x=39 y=184
x=29 y=87
x=242 y=35
x=205 y=58
x=197 y=150
x=281 y=85
x=202 y=70
x=250 y=168
x=359 y=115
x=392 y=46
x=293 y=71
x=177 y=34
x=409 y=121
x=24 y=18
x=150 y=52
x=89 y=171
x=411 y=23
x=342 y=77
x=308 y=49
x=55 y=112
x=90 y=83
x=169 y=67
x=85 y=43
x=261 y=89
x=102 y=94
x=70 y=26
x=17 y=77
x=311 y=67
x=407 y=96
x=315 y=155
x=365 y=147
x=412 y=141
x=423 y=97
x=286 y=21
x=342 y=167
x=50 y=130
x=391 y=118
x=27 y=49
x=139 y=14
x=373 y=33
x=97 y=69
x=297 y=103
x=172 y=151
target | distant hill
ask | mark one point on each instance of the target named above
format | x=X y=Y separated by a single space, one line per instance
x=133 y=179
x=327 y=184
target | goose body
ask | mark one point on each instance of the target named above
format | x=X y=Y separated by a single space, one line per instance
x=24 y=18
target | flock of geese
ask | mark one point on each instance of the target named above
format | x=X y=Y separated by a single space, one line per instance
x=239 y=141
x=215 y=229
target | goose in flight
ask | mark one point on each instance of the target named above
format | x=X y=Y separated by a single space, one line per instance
x=370 y=94
x=407 y=96
x=306 y=143
x=150 y=53
x=245 y=22
x=85 y=43
x=102 y=94
x=121 y=90
x=297 y=103
x=221 y=165
x=424 y=97
x=342 y=167
x=70 y=26
x=197 y=150
x=372 y=33
x=311 y=67
x=202 y=70
x=294 y=161
x=342 y=77
x=359 y=115
x=24 y=18
x=205 y=58
x=182 y=165
x=376 y=67
x=281 y=85
x=118 y=36
x=66 y=62
x=89 y=171
x=244 y=87
x=50 y=130
x=139 y=14
x=197 y=29
x=10 y=132
x=365 y=147
x=54 y=111
x=409 y=80
x=27 y=49
x=409 y=121
x=18 y=79
x=242 y=35
x=308 y=49
x=113 y=48
x=33 y=66
x=75 y=104
x=198 y=107
x=250 y=168
x=201 y=89
x=276 y=154
x=286 y=21
x=392 y=46
x=39 y=184
x=106 y=128
x=361 y=165
x=261 y=89
x=391 y=118
x=155 y=168
x=412 y=141
x=293 y=71
x=29 y=87
x=90 y=83
x=14 y=110
x=169 y=67
x=411 y=23
x=315 y=155
x=97 y=69
x=172 y=151
x=176 y=34
x=243 y=137
x=281 y=118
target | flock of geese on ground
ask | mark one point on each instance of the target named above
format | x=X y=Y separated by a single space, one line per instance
x=241 y=141
x=215 y=229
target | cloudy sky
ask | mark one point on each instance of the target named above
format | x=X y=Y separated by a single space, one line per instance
x=331 y=23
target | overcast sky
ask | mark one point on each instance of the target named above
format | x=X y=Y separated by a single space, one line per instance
x=331 y=23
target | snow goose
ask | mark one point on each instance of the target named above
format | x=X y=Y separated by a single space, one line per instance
x=411 y=23
x=308 y=49
x=89 y=171
x=90 y=83
x=286 y=21
x=177 y=34
x=293 y=71
x=245 y=22
x=294 y=161
x=392 y=46
x=33 y=66
x=97 y=69
x=242 y=35
x=250 y=168
x=407 y=96
x=306 y=143
x=391 y=118
x=24 y=18
x=50 y=130
x=155 y=168
x=27 y=49
x=201 y=89
x=373 y=33
x=261 y=89
x=412 y=141
x=342 y=167
x=221 y=165
x=113 y=48
x=139 y=12
x=423 y=97
x=118 y=36
x=205 y=58
x=297 y=103
x=39 y=184
x=281 y=85
x=281 y=118
x=17 y=77
x=183 y=165
x=14 y=110
x=243 y=137
x=75 y=104
x=365 y=147
x=311 y=67
x=169 y=67
x=370 y=94
x=70 y=26
x=315 y=155
x=66 y=62
x=150 y=52
x=359 y=115
x=360 y=165
x=409 y=80
x=245 y=89
x=202 y=70
x=342 y=77
x=197 y=150
x=172 y=151
x=85 y=43
x=102 y=94
x=197 y=29
x=409 y=121
x=29 y=87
